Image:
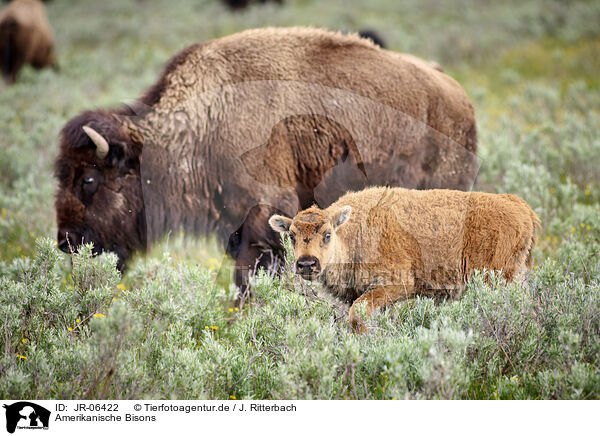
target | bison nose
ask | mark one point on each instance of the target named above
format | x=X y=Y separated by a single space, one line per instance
x=68 y=241
x=307 y=263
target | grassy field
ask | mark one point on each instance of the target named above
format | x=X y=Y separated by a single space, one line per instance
x=169 y=328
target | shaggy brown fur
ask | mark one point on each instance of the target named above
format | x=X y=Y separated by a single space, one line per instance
x=267 y=119
x=381 y=245
x=25 y=38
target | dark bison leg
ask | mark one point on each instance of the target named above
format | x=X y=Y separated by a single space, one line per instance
x=251 y=258
x=11 y=59
x=253 y=246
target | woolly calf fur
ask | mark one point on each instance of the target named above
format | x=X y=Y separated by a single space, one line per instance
x=381 y=245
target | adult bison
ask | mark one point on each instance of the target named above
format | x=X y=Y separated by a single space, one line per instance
x=25 y=38
x=263 y=121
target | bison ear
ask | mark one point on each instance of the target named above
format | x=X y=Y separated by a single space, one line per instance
x=280 y=223
x=341 y=217
x=116 y=156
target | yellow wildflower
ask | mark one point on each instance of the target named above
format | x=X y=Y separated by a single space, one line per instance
x=232 y=397
x=31 y=234
x=121 y=286
x=236 y=309
x=77 y=320
x=572 y=229
x=230 y=309
x=99 y=315
x=21 y=357
x=582 y=225
x=24 y=341
x=587 y=227
x=587 y=192
x=70 y=329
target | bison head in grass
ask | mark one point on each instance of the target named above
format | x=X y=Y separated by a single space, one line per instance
x=99 y=197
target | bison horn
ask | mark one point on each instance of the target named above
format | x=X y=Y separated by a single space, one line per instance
x=98 y=140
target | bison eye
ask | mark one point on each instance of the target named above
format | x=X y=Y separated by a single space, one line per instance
x=87 y=184
x=327 y=237
x=293 y=238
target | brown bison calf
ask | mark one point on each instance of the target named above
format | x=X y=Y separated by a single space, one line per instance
x=25 y=38
x=381 y=245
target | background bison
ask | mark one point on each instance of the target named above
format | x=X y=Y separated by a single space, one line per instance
x=259 y=121
x=241 y=4
x=25 y=38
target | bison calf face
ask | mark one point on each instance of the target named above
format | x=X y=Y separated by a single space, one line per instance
x=99 y=198
x=313 y=236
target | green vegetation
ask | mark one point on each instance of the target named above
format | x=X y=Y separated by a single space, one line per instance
x=170 y=328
